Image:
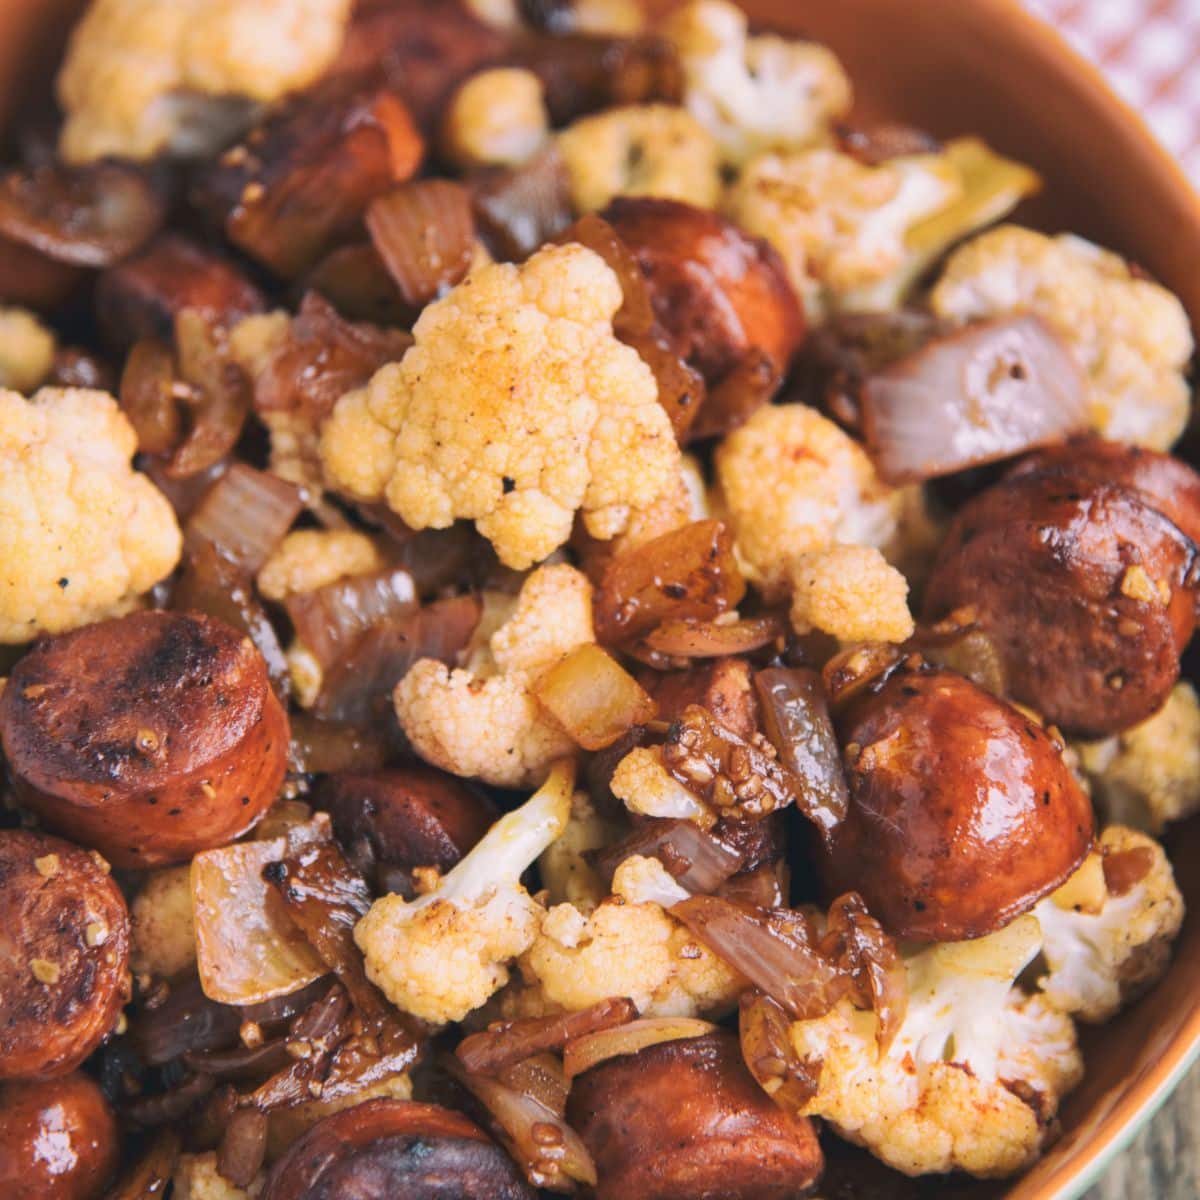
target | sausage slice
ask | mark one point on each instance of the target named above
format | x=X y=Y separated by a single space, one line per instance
x=64 y=955
x=149 y=737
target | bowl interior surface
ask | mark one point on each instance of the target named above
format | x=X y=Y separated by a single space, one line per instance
x=954 y=67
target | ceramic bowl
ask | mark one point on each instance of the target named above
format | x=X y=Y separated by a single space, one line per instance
x=953 y=67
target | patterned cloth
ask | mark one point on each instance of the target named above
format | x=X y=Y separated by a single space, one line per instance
x=1150 y=51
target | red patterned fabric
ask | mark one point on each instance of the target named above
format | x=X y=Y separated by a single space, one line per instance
x=1150 y=51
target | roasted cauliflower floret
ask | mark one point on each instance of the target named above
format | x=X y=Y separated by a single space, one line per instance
x=947 y=1093
x=755 y=93
x=643 y=784
x=629 y=946
x=515 y=408
x=1102 y=955
x=483 y=721
x=567 y=873
x=641 y=150
x=852 y=593
x=143 y=76
x=497 y=117
x=792 y=482
x=445 y=953
x=196 y=1178
x=163 y=931
x=26 y=351
x=308 y=559
x=1129 y=335
x=82 y=534
x=1149 y=775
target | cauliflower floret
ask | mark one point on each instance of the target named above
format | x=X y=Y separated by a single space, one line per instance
x=567 y=874
x=445 y=953
x=941 y=1097
x=755 y=93
x=641 y=150
x=643 y=784
x=26 y=350
x=162 y=929
x=1099 y=960
x=791 y=482
x=142 y=76
x=483 y=721
x=629 y=946
x=516 y=407
x=196 y=1178
x=308 y=559
x=496 y=117
x=1149 y=775
x=1131 y=336
x=852 y=593
x=82 y=534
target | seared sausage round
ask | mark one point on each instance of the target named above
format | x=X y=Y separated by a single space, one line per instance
x=149 y=737
x=963 y=813
x=395 y=1150
x=58 y=1140
x=686 y=1119
x=64 y=955
x=718 y=292
x=1088 y=592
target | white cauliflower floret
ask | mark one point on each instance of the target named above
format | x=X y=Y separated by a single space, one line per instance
x=308 y=559
x=162 y=927
x=641 y=150
x=82 y=534
x=445 y=953
x=567 y=874
x=196 y=1178
x=1130 y=335
x=515 y=408
x=1099 y=960
x=643 y=784
x=758 y=92
x=628 y=946
x=941 y=1097
x=26 y=351
x=852 y=593
x=1149 y=775
x=791 y=482
x=496 y=117
x=142 y=76
x=484 y=721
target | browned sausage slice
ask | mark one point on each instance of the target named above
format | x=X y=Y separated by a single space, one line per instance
x=64 y=955
x=1088 y=592
x=717 y=291
x=962 y=812
x=685 y=1119
x=58 y=1140
x=149 y=737
x=395 y=1150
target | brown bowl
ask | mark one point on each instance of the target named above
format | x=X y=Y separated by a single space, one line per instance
x=973 y=66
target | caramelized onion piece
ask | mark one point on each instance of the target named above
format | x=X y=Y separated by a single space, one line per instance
x=150 y=1176
x=765 y=1031
x=796 y=720
x=424 y=232
x=245 y=515
x=698 y=859
x=148 y=398
x=243 y=1147
x=322 y=747
x=681 y=389
x=91 y=216
x=520 y=208
x=506 y=1043
x=247 y=947
x=751 y=383
x=958 y=644
x=585 y=1052
x=185 y=1022
x=690 y=638
x=876 y=144
x=688 y=573
x=593 y=697
x=988 y=392
x=354 y=280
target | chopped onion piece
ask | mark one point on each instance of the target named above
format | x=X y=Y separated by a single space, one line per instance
x=593 y=697
x=691 y=638
x=585 y=1052
x=245 y=515
x=987 y=392
x=148 y=399
x=542 y=1077
x=322 y=747
x=150 y=1176
x=519 y=208
x=243 y=1147
x=247 y=948
x=750 y=384
x=697 y=859
x=767 y=1048
x=959 y=644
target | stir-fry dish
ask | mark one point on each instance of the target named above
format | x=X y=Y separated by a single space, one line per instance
x=574 y=620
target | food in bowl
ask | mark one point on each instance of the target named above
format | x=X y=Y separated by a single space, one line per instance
x=574 y=620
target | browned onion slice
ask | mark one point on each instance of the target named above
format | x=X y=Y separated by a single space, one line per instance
x=690 y=638
x=958 y=644
x=322 y=747
x=245 y=514
x=148 y=397
x=243 y=1147
x=354 y=280
x=750 y=384
x=987 y=392
x=699 y=860
x=585 y=1052
x=519 y=208
x=765 y=1032
x=150 y=1176
x=90 y=216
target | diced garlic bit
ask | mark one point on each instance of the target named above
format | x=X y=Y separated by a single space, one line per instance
x=496 y=118
x=26 y=351
x=852 y=593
